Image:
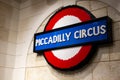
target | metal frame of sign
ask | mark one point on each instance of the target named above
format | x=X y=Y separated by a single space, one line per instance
x=109 y=39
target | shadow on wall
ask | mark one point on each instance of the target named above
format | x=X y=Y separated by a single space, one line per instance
x=43 y=3
x=115 y=3
x=50 y=2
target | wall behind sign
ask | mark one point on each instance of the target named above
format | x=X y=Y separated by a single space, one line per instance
x=105 y=64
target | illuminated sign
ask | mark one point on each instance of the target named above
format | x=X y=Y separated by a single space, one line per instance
x=70 y=36
x=78 y=34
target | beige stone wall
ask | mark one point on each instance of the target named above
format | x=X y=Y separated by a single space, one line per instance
x=9 y=16
x=19 y=22
x=105 y=64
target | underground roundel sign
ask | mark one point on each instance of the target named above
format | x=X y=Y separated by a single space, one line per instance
x=62 y=41
x=68 y=57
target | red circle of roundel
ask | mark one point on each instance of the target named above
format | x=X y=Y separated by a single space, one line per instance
x=81 y=14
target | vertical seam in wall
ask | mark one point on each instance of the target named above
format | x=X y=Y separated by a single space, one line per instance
x=90 y=5
x=62 y=3
x=92 y=70
x=109 y=46
x=76 y=2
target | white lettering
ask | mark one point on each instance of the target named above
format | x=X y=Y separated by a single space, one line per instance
x=103 y=31
x=68 y=35
x=84 y=33
x=89 y=32
x=55 y=39
x=75 y=34
x=79 y=34
x=94 y=31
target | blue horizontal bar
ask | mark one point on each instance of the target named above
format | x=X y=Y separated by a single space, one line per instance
x=93 y=31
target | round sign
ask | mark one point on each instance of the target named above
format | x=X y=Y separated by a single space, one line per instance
x=68 y=58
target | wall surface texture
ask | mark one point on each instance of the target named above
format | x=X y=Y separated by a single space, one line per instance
x=104 y=66
x=9 y=17
x=19 y=22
